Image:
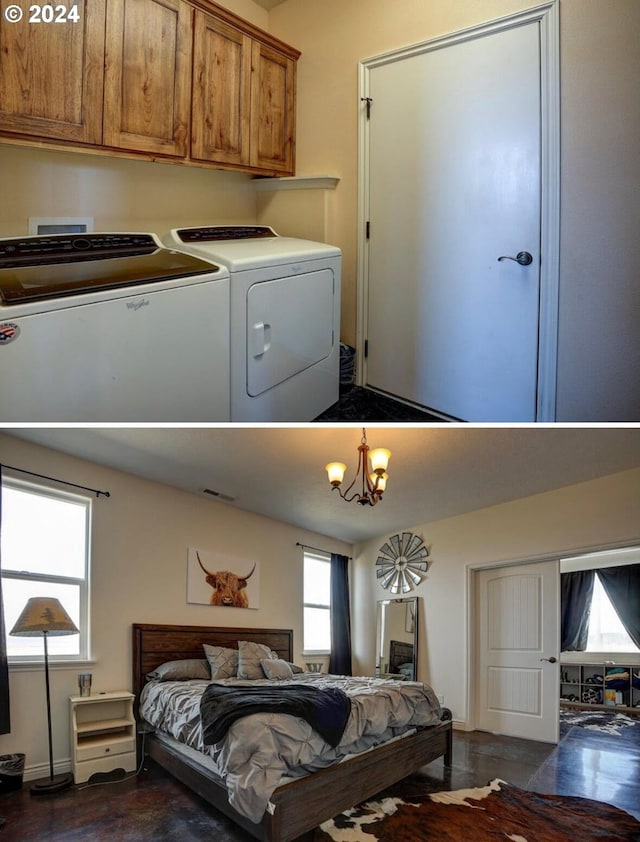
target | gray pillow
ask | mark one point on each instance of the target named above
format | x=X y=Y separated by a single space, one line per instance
x=275 y=668
x=249 y=656
x=181 y=670
x=223 y=661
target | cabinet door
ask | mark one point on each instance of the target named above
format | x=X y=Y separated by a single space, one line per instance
x=221 y=92
x=272 y=110
x=147 y=76
x=51 y=74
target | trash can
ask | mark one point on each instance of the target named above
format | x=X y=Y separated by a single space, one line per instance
x=11 y=772
x=347 y=365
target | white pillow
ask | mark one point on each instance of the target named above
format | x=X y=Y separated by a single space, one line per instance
x=223 y=662
x=275 y=668
x=249 y=656
x=184 y=670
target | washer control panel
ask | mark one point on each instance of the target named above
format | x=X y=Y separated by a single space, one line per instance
x=32 y=250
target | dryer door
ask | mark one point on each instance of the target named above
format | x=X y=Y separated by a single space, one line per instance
x=289 y=327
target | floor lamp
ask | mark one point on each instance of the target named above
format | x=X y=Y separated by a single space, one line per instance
x=46 y=616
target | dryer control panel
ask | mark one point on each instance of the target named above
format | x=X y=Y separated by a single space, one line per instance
x=213 y=233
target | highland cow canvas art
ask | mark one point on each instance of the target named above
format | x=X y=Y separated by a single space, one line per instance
x=222 y=580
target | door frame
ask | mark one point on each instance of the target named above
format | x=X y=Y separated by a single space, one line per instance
x=471 y=620
x=547 y=15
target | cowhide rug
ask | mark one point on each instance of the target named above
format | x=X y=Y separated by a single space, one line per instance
x=498 y=811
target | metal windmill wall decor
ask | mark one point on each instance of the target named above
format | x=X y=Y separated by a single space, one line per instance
x=402 y=562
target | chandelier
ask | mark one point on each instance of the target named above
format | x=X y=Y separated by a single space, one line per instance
x=372 y=484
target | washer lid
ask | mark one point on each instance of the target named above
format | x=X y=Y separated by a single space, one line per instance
x=242 y=253
x=35 y=268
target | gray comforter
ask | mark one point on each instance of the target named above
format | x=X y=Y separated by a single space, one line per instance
x=261 y=750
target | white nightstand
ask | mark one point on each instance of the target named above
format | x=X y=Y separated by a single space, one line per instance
x=103 y=734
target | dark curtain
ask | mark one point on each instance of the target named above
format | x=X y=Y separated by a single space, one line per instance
x=340 y=660
x=5 y=720
x=622 y=585
x=576 y=590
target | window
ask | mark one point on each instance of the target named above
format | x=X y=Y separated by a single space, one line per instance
x=606 y=632
x=45 y=552
x=317 y=603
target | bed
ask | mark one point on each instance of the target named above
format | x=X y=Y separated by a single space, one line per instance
x=302 y=804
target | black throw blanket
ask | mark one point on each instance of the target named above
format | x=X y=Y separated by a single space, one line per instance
x=327 y=711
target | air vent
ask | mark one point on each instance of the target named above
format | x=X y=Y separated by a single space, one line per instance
x=226 y=498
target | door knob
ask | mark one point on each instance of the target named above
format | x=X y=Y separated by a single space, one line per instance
x=551 y=660
x=522 y=257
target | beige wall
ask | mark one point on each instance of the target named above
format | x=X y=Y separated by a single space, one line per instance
x=599 y=341
x=306 y=213
x=121 y=194
x=579 y=517
x=139 y=549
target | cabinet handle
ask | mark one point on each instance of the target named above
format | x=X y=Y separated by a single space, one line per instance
x=107 y=750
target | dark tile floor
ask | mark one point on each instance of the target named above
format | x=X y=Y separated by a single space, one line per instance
x=155 y=807
x=359 y=404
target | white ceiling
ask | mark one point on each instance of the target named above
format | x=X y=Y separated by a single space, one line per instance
x=435 y=472
x=268 y=4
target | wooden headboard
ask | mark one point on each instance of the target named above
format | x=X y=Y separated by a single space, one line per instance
x=155 y=644
x=399 y=653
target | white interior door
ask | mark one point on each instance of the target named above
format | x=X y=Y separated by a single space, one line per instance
x=454 y=183
x=518 y=650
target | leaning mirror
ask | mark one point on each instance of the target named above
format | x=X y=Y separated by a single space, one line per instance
x=397 y=639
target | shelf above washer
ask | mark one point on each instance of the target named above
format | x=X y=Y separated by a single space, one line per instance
x=297 y=182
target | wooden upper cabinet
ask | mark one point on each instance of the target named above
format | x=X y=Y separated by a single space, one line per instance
x=221 y=97
x=51 y=75
x=243 y=112
x=183 y=79
x=148 y=76
x=272 y=110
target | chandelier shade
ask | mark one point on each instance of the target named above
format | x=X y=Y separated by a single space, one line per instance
x=371 y=471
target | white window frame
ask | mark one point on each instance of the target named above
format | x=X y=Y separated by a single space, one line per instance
x=324 y=557
x=83 y=583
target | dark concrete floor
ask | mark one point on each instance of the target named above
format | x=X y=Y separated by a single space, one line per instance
x=153 y=806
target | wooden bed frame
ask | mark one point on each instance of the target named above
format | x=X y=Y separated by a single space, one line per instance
x=400 y=653
x=304 y=803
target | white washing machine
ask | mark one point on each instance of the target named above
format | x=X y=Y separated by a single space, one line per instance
x=111 y=328
x=285 y=318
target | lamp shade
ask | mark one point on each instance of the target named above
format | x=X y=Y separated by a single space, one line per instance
x=380 y=459
x=336 y=472
x=43 y=615
x=381 y=480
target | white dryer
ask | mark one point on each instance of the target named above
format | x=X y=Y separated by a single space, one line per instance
x=285 y=318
